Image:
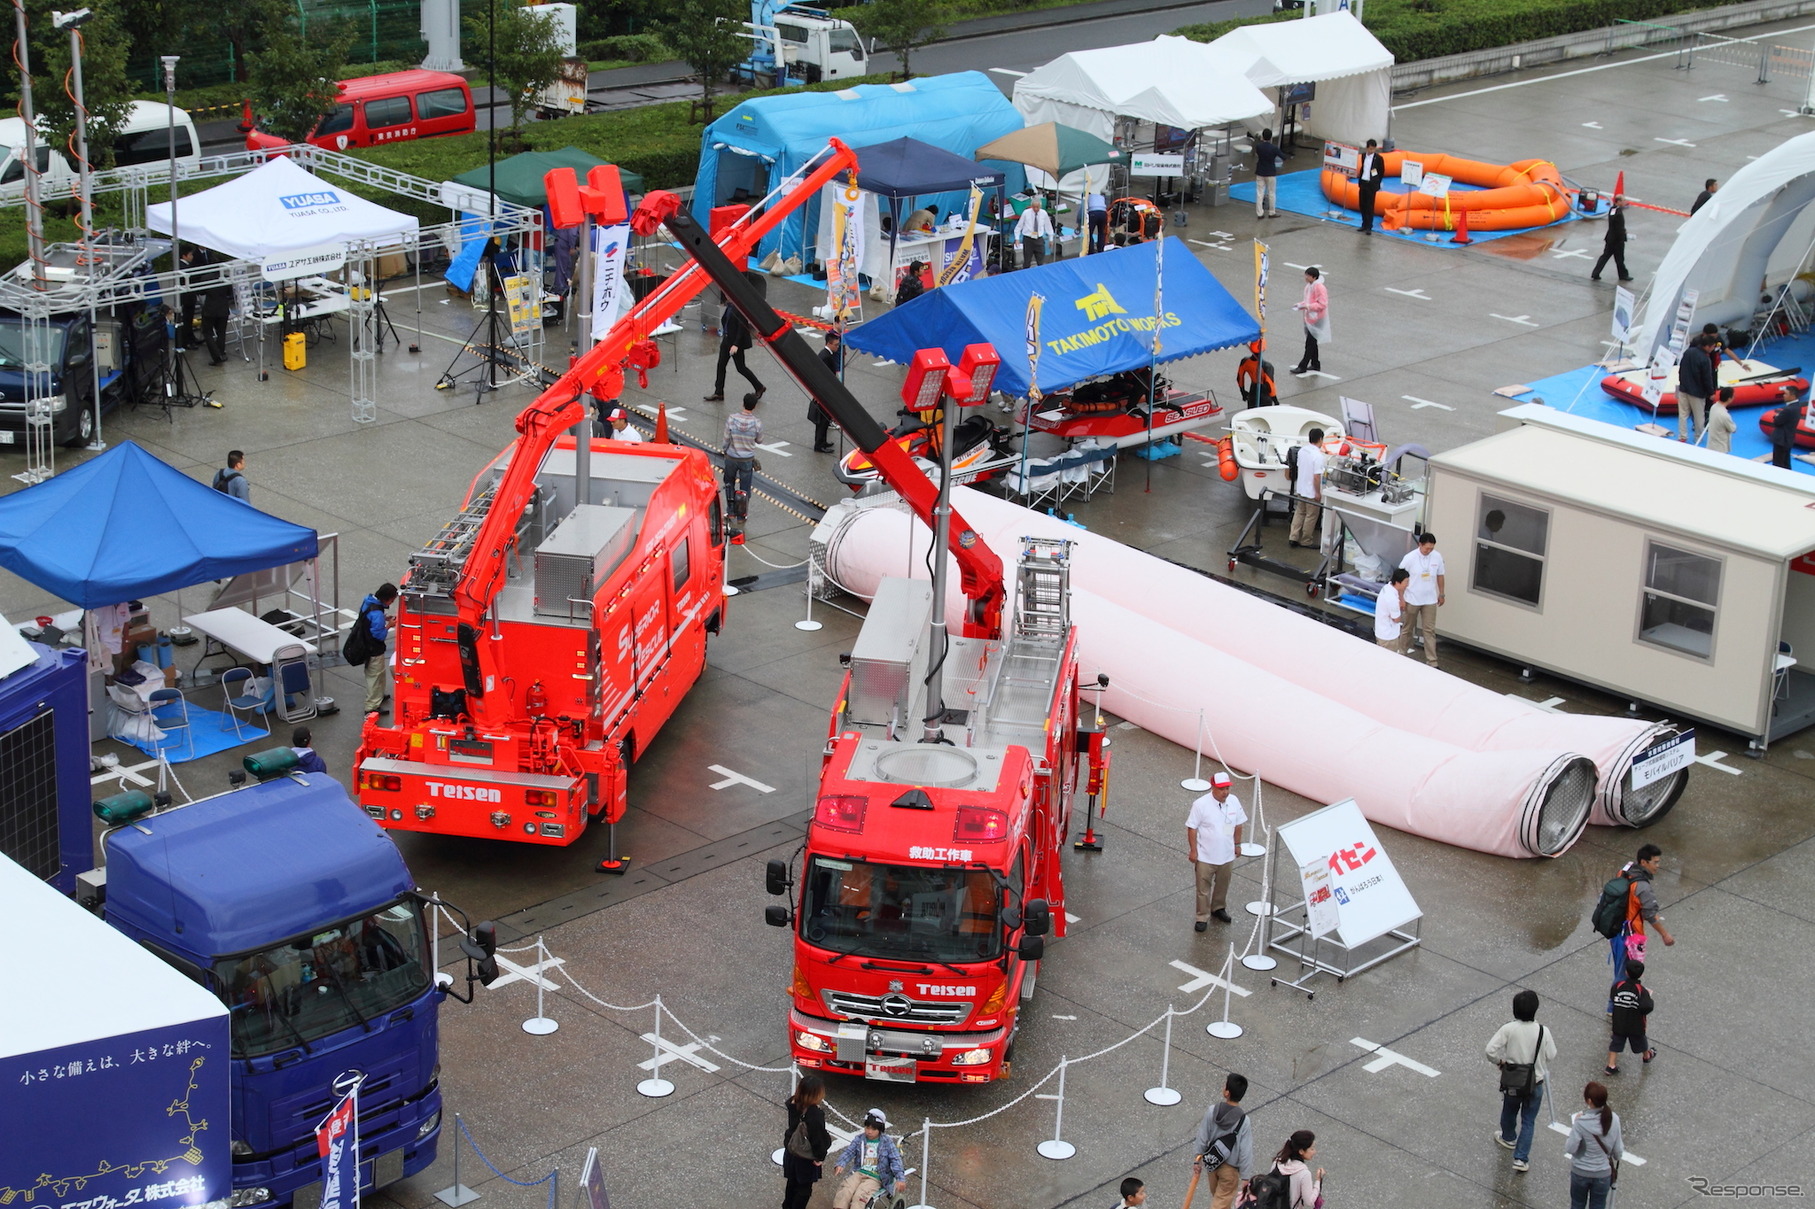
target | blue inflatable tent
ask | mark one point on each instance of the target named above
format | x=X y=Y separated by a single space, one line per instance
x=125 y=525
x=1098 y=317
x=754 y=147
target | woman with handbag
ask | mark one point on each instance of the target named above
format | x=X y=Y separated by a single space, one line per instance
x=806 y=1142
x=1594 y=1149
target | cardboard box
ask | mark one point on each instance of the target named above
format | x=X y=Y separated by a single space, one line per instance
x=171 y=675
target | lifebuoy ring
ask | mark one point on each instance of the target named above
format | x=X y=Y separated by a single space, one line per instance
x=1529 y=193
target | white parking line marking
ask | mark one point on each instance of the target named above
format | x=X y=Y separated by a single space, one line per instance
x=1385 y=1057
x=736 y=778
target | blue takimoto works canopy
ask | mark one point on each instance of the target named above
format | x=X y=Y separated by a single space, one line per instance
x=1098 y=317
x=126 y=525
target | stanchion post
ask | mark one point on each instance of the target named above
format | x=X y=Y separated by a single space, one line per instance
x=540 y=1025
x=655 y=1087
x=1164 y=1095
x=456 y=1194
x=1226 y=1028
x=1260 y=959
x=1195 y=782
x=809 y=624
x=1263 y=905
x=1056 y=1147
x=1260 y=823
x=926 y=1159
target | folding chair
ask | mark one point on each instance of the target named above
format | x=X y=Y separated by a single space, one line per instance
x=236 y=692
x=290 y=679
x=170 y=711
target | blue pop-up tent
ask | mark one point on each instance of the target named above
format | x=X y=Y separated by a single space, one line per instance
x=126 y=525
x=751 y=149
x=1098 y=317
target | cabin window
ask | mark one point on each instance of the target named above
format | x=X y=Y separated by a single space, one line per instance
x=1679 y=601
x=1511 y=540
x=339 y=119
x=387 y=111
x=441 y=103
x=682 y=562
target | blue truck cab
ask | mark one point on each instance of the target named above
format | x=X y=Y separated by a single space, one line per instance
x=297 y=911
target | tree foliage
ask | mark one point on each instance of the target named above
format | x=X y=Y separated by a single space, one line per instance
x=903 y=26
x=106 y=91
x=710 y=37
x=528 y=54
x=295 y=79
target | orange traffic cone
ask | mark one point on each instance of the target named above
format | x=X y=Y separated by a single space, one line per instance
x=1461 y=235
x=1619 y=183
x=661 y=425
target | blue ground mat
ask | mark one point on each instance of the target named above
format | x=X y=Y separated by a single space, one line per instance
x=1302 y=193
x=208 y=732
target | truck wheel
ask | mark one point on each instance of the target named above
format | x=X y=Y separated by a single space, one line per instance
x=83 y=431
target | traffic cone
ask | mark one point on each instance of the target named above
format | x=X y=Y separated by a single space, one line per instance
x=1461 y=235
x=661 y=425
x=1619 y=183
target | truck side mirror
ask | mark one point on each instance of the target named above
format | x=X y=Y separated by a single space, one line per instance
x=1039 y=917
x=776 y=877
x=1011 y=918
x=481 y=946
x=1031 y=948
x=777 y=916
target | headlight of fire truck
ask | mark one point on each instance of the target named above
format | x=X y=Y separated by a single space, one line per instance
x=971 y=1057
x=812 y=1041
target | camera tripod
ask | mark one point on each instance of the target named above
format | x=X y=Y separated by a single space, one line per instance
x=488 y=338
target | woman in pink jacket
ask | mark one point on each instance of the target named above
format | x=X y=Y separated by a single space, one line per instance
x=1314 y=307
x=1294 y=1162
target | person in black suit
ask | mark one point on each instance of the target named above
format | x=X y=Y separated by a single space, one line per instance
x=1369 y=173
x=832 y=357
x=1613 y=246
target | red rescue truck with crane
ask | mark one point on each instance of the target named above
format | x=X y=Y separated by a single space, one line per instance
x=931 y=870
x=546 y=633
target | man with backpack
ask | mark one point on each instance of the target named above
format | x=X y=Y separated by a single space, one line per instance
x=365 y=643
x=232 y=480
x=1627 y=904
x=1522 y=1049
x=1225 y=1144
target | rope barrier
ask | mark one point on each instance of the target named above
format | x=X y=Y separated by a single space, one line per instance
x=552 y=1179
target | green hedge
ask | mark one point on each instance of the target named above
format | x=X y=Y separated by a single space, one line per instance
x=1429 y=29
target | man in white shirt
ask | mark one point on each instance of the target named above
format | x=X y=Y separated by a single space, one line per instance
x=1033 y=231
x=620 y=427
x=1308 y=486
x=1389 y=613
x=1424 y=593
x=1213 y=833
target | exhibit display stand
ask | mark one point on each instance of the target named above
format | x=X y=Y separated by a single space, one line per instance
x=1348 y=910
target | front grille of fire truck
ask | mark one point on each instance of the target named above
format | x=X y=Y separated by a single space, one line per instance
x=900 y=1008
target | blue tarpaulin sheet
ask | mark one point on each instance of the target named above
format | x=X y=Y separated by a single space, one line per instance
x=1098 y=317
x=125 y=526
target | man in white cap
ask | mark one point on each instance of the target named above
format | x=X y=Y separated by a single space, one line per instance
x=620 y=426
x=874 y=1160
x=1213 y=833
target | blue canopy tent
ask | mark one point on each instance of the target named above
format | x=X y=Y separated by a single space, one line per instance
x=908 y=168
x=1098 y=317
x=750 y=150
x=126 y=525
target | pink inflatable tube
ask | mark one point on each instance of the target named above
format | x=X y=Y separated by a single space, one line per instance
x=1388 y=687
x=1531 y=801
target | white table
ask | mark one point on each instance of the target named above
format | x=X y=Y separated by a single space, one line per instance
x=240 y=632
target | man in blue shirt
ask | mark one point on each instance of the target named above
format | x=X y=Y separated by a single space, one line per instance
x=1096 y=207
x=372 y=612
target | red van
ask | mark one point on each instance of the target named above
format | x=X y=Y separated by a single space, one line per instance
x=388 y=108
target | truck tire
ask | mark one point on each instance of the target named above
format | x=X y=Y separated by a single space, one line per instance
x=82 y=430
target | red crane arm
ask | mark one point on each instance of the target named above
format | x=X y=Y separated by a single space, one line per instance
x=601 y=370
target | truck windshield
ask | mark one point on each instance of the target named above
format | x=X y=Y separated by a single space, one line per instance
x=46 y=341
x=324 y=981
x=906 y=912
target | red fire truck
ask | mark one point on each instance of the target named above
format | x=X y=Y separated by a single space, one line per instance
x=931 y=871
x=546 y=633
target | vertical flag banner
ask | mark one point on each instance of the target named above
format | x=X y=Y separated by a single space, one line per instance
x=958 y=268
x=1034 y=303
x=609 y=297
x=1159 y=302
x=847 y=236
x=1260 y=289
x=1623 y=307
x=337 y=1137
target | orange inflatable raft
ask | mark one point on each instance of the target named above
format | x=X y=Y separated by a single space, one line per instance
x=1530 y=193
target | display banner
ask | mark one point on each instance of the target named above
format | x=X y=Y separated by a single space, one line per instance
x=1623 y=304
x=337 y=1138
x=1034 y=303
x=842 y=286
x=958 y=263
x=1679 y=327
x=1260 y=289
x=608 y=292
x=1371 y=899
x=1320 y=899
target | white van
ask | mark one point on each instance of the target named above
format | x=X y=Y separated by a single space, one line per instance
x=144 y=139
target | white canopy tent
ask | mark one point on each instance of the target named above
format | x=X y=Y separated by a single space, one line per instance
x=1755 y=235
x=1170 y=81
x=1352 y=70
x=277 y=209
